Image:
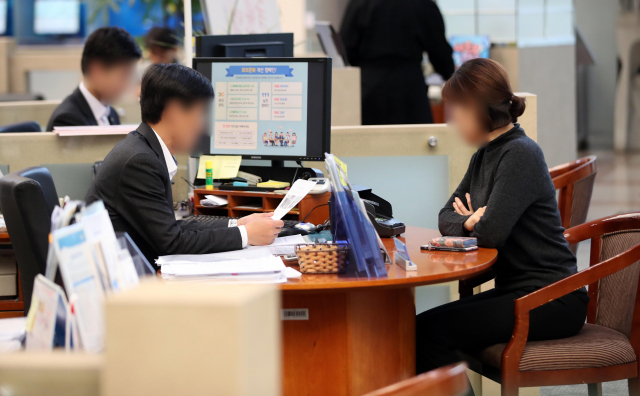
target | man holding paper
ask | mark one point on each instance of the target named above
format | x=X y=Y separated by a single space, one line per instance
x=134 y=180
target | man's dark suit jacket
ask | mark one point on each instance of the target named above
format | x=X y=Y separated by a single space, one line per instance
x=75 y=111
x=134 y=184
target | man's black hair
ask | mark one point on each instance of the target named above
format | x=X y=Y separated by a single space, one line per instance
x=161 y=37
x=109 y=46
x=162 y=83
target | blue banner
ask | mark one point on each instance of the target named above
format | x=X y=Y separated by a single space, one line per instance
x=259 y=70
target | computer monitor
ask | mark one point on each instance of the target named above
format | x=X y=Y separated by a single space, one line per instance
x=269 y=108
x=332 y=44
x=245 y=45
x=57 y=17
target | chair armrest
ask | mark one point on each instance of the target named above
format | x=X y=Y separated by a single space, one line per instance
x=523 y=305
x=466 y=286
x=577 y=281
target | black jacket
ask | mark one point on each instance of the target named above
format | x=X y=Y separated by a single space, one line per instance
x=386 y=39
x=75 y=111
x=133 y=181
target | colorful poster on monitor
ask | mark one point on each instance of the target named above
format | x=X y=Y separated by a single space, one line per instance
x=259 y=108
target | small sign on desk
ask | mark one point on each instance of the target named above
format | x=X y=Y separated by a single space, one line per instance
x=401 y=257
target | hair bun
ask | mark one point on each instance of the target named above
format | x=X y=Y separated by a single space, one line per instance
x=517 y=107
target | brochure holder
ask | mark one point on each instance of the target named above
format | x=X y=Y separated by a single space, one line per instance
x=142 y=265
x=350 y=225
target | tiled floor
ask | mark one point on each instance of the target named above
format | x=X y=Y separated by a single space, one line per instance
x=616 y=190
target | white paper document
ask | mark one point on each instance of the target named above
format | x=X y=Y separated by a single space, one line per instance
x=299 y=190
x=245 y=254
x=263 y=265
x=286 y=245
x=12 y=329
x=213 y=201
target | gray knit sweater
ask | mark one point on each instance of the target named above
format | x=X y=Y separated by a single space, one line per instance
x=510 y=177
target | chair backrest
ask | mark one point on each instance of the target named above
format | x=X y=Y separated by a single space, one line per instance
x=613 y=298
x=574 y=182
x=28 y=197
x=445 y=381
x=27 y=126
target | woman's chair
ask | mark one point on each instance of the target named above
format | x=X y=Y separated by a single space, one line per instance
x=608 y=346
x=574 y=182
x=445 y=381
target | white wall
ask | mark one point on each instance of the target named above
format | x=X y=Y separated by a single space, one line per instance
x=550 y=73
x=596 y=20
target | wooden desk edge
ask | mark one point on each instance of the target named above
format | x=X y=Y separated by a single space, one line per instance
x=381 y=283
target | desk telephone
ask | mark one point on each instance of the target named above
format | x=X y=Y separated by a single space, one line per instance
x=380 y=213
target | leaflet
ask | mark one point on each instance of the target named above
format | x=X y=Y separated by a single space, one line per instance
x=81 y=281
x=299 y=190
x=41 y=321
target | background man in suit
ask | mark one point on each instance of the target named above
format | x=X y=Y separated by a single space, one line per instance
x=134 y=180
x=109 y=64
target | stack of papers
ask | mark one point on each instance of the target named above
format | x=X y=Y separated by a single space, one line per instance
x=12 y=333
x=213 y=201
x=251 y=265
x=95 y=130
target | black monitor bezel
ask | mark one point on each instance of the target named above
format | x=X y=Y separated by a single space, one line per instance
x=206 y=45
x=326 y=113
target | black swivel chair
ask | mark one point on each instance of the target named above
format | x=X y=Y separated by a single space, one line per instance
x=27 y=198
x=27 y=126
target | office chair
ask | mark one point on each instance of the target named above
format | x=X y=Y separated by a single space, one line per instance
x=26 y=126
x=28 y=197
x=607 y=347
x=574 y=182
x=445 y=381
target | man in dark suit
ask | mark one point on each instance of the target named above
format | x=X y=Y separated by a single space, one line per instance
x=134 y=180
x=109 y=62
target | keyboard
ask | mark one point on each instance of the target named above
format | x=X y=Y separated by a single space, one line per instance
x=204 y=219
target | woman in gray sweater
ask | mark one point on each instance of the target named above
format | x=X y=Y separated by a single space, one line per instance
x=507 y=201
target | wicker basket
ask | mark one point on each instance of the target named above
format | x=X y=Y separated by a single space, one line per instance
x=322 y=258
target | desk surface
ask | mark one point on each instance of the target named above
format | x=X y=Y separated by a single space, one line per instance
x=433 y=267
x=4 y=237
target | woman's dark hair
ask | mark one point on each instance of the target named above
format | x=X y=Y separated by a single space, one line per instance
x=162 y=83
x=486 y=83
x=109 y=46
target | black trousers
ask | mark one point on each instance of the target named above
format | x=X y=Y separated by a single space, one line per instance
x=486 y=319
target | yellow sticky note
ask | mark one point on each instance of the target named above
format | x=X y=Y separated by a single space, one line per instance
x=224 y=166
x=31 y=317
x=342 y=170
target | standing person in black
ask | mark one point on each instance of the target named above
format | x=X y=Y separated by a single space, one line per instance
x=507 y=201
x=108 y=64
x=134 y=180
x=386 y=39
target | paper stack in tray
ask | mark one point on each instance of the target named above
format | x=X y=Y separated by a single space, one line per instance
x=253 y=265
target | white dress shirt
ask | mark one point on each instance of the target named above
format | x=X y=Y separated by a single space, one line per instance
x=100 y=111
x=172 y=167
